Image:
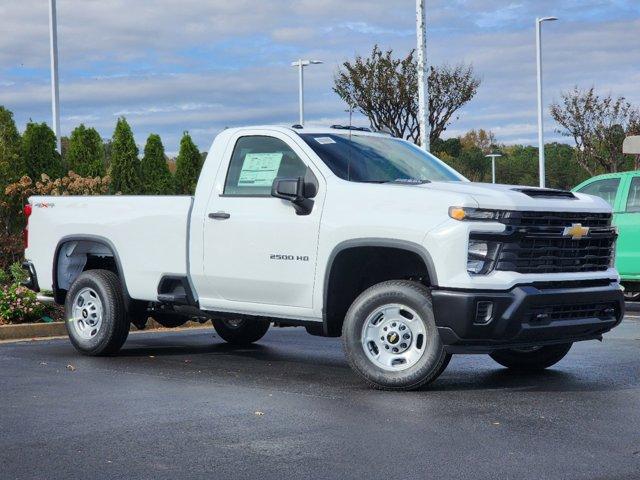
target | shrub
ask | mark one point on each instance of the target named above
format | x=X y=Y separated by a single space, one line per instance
x=11 y=248
x=18 y=304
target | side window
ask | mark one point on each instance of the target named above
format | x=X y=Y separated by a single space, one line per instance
x=605 y=189
x=256 y=162
x=633 y=200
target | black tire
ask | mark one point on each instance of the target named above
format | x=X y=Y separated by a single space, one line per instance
x=531 y=360
x=113 y=329
x=241 y=332
x=432 y=361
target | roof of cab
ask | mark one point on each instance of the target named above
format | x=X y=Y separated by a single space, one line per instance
x=313 y=130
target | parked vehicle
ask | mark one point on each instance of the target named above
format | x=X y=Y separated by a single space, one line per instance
x=622 y=192
x=347 y=233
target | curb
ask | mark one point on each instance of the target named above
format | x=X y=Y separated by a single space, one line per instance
x=26 y=331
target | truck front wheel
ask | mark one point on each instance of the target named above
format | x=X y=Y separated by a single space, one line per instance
x=390 y=336
x=96 y=318
x=241 y=332
x=531 y=359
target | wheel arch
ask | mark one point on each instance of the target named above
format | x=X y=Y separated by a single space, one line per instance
x=331 y=324
x=91 y=244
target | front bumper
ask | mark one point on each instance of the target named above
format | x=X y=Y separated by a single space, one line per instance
x=526 y=315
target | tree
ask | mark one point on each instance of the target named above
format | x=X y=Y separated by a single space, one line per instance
x=485 y=140
x=156 y=177
x=598 y=126
x=85 y=153
x=450 y=147
x=125 y=166
x=188 y=165
x=11 y=166
x=39 y=151
x=385 y=89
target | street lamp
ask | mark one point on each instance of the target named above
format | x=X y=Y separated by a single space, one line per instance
x=493 y=157
x=540 y=122
x=423 y=75
x=55 y=101
x=301 y=64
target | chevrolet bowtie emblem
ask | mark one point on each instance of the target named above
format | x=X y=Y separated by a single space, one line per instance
x=576 y=231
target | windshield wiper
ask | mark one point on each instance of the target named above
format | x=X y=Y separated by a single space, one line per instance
x=398 y=181
x=409 y=181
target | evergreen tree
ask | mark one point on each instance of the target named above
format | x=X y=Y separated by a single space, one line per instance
x=125 y=166
x=85 y=153
x=188 y=166
x=156 y=177
x=39 y=151
x=11 y=165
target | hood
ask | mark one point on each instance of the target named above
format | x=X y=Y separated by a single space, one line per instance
x=518 y=197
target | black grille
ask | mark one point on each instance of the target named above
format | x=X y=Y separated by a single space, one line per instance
x=534 y=242
x=546 y=314
x=555 y=219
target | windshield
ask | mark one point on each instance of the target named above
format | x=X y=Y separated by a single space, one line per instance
x=362 y=158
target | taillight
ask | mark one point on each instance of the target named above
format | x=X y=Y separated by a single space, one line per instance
x=25 y=233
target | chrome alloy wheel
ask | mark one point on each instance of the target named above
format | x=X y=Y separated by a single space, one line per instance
x=87 y=313
x=394 y=337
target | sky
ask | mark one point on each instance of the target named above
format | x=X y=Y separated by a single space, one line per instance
x=171 y=66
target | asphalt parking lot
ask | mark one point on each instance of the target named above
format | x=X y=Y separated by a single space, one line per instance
x=185 y=405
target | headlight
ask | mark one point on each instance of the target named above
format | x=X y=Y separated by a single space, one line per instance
x=478 y=214
x=480 y=256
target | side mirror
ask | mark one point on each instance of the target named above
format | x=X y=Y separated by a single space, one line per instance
x=295 y=191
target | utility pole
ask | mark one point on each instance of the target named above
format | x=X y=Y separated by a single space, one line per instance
x=423 y=76
x=301 y=64
x=541 y=165
x=55 y=96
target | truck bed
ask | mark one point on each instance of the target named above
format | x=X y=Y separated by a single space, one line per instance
x=148 y=234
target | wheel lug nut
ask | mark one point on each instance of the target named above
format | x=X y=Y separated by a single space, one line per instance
x=402 y=327
x=403 y=345
x=406 y=336
x=385 y=329
x=387 y=347
x=393 y=324
x=395 y=350
x=382 y=338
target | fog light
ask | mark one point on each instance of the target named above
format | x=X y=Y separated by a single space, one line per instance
x=484 y=312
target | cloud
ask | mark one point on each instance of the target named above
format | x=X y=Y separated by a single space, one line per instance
x=201 y=66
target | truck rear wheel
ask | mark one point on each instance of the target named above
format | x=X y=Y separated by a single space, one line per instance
x=531 y=359
x=96 y=318
x=241 y=332
x=390 y=337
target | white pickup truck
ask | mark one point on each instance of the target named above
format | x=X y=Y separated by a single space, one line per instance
x=347 y=233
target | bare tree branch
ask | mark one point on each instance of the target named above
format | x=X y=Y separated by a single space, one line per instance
x=385 y=89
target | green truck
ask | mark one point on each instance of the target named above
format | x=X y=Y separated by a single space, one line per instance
x=622 y=191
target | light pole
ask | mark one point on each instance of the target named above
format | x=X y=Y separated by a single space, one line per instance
x=55 y=101
x=423 y=75
x=540 y=113
x=493 y=157
x=301 y=64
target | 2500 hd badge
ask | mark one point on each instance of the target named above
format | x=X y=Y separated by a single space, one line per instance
x=299 y=258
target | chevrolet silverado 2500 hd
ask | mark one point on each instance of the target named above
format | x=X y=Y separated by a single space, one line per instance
x=347 y=233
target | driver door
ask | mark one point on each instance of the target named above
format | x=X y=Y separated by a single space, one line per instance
x=257 y=249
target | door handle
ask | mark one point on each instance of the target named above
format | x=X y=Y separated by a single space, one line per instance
x=220 y=215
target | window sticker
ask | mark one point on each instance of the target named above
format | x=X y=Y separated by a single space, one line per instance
x=259 y=169
x=324 y=140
